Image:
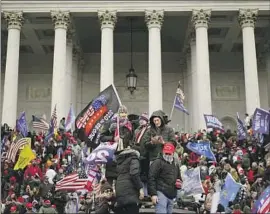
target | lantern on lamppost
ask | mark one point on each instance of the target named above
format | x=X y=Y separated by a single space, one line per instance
x=131 y=80
x=131 y=77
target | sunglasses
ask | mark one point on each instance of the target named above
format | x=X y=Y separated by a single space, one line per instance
x=108 y=191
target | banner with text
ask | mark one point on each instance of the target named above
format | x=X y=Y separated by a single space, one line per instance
x=202 y=148
x=95 y=114
x=212 y=122
x=241 y=129
x=261 y=120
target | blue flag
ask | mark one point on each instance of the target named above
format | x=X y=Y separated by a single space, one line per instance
x=229 y=191
x=241 y=129
x=21 y=125
x=262 y=205
x=212 y=122
x=50 y=133
x=103 y=154
x=178 y=104
x=261 y=121
x=202 y=148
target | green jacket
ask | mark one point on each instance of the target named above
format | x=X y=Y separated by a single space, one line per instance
x=47 y=210
x=165 y=131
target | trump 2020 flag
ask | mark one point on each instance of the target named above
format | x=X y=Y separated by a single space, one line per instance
x=261 y=120
x=202 y=148
x=70 y=119
x=262 y=205
x=229 y=191
x=212 y=122
x=178 y=104
x=192 y=183
x=103 y=154
x=241 y=129
x=21 y=125
x=99 y=111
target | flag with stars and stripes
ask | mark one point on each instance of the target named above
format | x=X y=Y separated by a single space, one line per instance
x=99 y=111
x=39 y=123
x=179 y=100
x=54 y=117
x=15 y=146
x=73 y=182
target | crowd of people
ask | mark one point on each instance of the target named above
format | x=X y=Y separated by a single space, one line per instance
x=147 y=170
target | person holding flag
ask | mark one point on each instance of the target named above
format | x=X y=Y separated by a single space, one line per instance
x=110 y=133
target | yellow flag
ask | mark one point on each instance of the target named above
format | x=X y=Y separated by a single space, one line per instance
x=25 y=157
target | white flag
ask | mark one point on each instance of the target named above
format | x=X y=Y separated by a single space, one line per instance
x=192 y=183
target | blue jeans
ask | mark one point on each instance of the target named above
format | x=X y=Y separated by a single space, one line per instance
x=164 y=204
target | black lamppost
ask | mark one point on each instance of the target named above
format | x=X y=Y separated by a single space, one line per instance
x=131 y=76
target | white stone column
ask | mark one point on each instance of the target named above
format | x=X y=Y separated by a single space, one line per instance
x=247 y=19
x=200 y=19
x=9 y=109
x=187 y=99
x=61 y=21
x=189 y=92
x=154 y=20
x=69 y=70
x=79 y=96
x=107 y=20
x=74 y=80
x=194 y=86
x=268 y=74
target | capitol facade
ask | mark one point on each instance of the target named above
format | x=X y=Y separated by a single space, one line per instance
x=58 y=53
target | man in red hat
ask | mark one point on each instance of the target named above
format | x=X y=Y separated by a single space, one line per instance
x=164 y=172
x=29 y=208
x=47 y=208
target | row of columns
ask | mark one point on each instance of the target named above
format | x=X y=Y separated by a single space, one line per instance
x=65 y=66
x=199 y=90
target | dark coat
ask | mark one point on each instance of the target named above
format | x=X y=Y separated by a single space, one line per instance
x=128 y=181
x=165 y=131
x=162 y=177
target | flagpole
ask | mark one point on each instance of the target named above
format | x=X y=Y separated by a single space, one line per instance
x=172 y=107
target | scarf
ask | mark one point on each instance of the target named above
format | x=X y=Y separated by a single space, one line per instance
x=123 y=122
x=168 y=158
x=140 y=134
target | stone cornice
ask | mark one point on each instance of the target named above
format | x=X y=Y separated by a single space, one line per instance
x=130 y=6
x=14 y=19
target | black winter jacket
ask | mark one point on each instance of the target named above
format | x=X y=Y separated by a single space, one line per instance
x=162 y=177
x=128 y=183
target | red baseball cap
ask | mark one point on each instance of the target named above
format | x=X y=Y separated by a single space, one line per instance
x=168 y=148
x=13 y=209
x=29 y=205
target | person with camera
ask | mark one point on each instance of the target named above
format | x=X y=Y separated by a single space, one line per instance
x=157 y=134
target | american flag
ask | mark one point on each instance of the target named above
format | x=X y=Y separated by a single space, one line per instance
x=15 y=146
x=179 y=91
x=39 y=123
x=54 y=117
x=73 y=182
